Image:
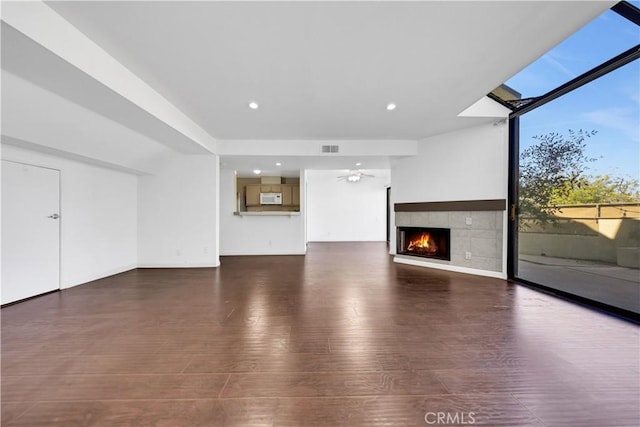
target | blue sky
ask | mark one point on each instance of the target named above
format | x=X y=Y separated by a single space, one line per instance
x=610 y=105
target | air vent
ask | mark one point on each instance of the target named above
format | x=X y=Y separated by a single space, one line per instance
x=330 y=148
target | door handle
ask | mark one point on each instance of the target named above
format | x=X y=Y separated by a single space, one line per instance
x=513 y=214
x=54 y=216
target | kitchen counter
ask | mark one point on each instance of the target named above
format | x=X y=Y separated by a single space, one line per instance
x=268 y=213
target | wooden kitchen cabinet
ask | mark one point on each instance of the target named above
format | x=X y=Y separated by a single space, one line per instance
x=295 y=195
x=287 y=199
x=271 y=188
x=290 y=193
x=252 y=195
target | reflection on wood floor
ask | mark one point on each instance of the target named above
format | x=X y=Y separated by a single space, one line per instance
x=340 y=337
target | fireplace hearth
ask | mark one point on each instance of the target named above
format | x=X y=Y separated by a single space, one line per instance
x=426 y=242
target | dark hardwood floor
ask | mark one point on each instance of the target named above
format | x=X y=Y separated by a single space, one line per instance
x=340 y=337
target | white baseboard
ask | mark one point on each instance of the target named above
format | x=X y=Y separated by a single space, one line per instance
x=170 y=265
x=102 y=275
x=457 y=269
x=248 y=253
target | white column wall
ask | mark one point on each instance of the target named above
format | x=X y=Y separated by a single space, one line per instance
x=177 y=213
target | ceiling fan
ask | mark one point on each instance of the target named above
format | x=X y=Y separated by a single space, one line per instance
x=355 y=176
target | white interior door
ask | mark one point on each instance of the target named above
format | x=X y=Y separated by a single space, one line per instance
x=30 y=231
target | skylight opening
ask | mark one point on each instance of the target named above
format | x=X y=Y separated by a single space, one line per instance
x=603 y=38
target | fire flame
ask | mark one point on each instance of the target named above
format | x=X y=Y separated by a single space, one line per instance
x=423 y=243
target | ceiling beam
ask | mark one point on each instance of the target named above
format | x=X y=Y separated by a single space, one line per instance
x=44 y=26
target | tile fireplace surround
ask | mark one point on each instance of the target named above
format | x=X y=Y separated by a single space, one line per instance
x=477 y=227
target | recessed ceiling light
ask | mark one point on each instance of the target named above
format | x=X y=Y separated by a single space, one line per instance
x=278 y=164
x=391 y=106
x=257 y=171
x=253 y=105
x=358 y=164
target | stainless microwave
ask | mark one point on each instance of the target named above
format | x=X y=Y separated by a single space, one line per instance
x=270 y=198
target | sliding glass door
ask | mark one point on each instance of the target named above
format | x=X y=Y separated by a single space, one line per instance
x=578 y=219
x=575 y=159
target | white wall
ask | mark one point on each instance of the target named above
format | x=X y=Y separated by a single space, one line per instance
x=177 y=212
x=342 y=211
x=258 y=235
x=98 y=217
x=469 y=164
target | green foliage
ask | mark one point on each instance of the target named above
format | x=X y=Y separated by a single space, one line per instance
x=599 y=189
x=552 y=173
x=552 y=169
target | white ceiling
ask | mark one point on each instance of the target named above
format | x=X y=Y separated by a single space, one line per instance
x=319 y=70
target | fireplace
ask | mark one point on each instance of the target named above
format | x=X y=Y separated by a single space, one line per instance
x=424 y=242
